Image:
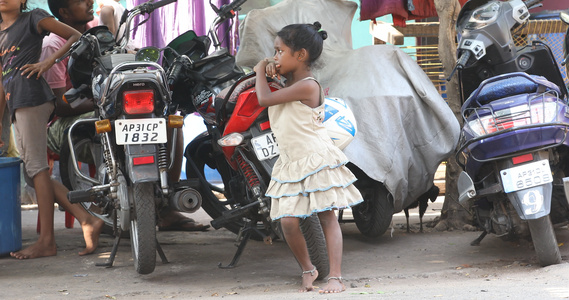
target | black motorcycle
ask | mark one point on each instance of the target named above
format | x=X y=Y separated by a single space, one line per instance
x=128 y=143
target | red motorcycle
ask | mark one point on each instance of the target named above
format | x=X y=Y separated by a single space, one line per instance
x=238 y=142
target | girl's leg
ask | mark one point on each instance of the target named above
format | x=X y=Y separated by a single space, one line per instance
x=296 y=242
x=90 y=224
x=45 y=245
x=334 y=243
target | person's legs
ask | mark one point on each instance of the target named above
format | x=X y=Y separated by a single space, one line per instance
x=297 y=244
x=90 y=224
x=334 y=243
x=28 y=141
x=32 y=144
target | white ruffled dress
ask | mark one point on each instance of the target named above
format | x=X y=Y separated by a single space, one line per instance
x=310 y=175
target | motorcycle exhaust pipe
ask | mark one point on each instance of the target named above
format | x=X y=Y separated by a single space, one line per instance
x=187 y=200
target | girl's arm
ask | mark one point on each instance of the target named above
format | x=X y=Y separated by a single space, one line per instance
x=63 y=30
x=306 y=91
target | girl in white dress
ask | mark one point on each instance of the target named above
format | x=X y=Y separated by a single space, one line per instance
x=310 y=175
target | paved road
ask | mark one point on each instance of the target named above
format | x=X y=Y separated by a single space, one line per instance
x=439 y=265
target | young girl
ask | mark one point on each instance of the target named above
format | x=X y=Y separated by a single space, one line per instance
x=310 y=175
x=31 y=102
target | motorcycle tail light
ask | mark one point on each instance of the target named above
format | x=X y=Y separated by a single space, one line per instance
x=514 y=117
x=265 y=125
x=143 y=160
x=138 y=102
x=522 y=158
x=231 y=140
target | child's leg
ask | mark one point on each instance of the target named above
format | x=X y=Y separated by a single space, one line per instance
x=296 y=242
x=334 y=243
x=32 y=144
x=90 y=224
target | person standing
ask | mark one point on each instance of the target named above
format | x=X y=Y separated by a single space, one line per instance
x=310 y=175
x=31 y=103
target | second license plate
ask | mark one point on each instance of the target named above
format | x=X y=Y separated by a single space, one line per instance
x=265 y=146
x=526 y=176
x=141 y=131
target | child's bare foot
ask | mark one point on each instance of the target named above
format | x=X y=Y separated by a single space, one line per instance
x=39 y=249
x=91 y=231
x=335 y=285
x=308 y=278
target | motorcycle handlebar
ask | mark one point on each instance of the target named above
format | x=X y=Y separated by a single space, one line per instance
x=530 y=3
x=159 y=4
x=80 y=49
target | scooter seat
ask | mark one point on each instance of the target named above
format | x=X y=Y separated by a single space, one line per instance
x=498 y=88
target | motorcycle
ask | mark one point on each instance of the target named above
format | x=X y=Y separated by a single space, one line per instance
x=513 y=146
x=126 y=143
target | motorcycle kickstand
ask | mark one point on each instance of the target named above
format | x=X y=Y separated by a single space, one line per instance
x=111 y=259
x=161 y=253
x=477 y=241
x=242 y=238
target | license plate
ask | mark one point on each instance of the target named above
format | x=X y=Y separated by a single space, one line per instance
x=140 y=131
x=265 y=146
x=526 y=176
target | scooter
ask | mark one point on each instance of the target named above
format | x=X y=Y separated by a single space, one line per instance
x=513 y=145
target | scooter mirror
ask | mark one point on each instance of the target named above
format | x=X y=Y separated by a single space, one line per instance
x=148 y=54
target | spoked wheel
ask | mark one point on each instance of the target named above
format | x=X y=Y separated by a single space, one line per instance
x=544 y=241
x=143 y=227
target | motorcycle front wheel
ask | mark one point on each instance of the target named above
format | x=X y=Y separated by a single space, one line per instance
x=544 y=241
x=143 y=227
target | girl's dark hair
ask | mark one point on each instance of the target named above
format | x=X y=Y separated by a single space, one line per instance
x=24 y=6
x=55 y=5
x=307 y=36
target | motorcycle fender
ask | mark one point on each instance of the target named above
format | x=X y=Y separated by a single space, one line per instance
x=466 y=188
x=146 y=171
x=532 y=203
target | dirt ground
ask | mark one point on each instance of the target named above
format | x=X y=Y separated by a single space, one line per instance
x=399 y=265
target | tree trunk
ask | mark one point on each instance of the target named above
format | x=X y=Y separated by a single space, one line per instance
x=453 y=215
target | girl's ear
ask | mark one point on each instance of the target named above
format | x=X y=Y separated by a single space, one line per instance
x=302 y=54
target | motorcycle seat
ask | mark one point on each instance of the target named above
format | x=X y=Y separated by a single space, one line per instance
x=504 y=86
x=230 y=105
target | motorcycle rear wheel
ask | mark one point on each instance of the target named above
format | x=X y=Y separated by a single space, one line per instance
x=544 y=241
x=374 y=215
x=85 y=153
x=143 y=228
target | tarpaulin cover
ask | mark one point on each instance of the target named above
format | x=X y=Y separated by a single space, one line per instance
x=405 y=128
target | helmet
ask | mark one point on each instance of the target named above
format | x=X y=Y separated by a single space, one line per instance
x=339 y=121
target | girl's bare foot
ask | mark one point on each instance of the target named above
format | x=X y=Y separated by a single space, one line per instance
x=39 y=249
x=91 y=231
x=335 y=285
x=308 y=278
